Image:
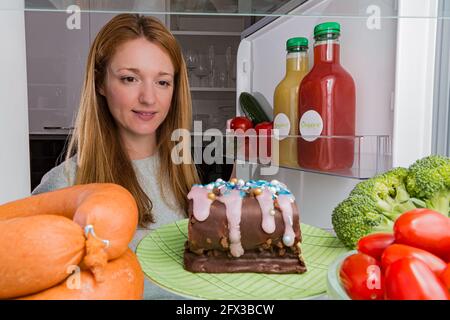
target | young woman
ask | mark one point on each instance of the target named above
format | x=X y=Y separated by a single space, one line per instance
x=135 y=94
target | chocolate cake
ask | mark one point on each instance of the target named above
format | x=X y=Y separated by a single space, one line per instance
x=238 y=226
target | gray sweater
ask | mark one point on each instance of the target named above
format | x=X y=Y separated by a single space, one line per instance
x=146 y=171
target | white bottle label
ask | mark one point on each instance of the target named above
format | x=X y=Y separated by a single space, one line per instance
x=311 y=125
x=282 y=123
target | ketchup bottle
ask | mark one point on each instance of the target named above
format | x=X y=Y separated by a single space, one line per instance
x=326 y=106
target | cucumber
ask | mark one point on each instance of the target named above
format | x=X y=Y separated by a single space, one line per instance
x=252 y=109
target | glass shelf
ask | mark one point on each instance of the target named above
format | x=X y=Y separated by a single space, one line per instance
x=212 y=89
x=356 y=157
x=275 y=8
x=206 y=33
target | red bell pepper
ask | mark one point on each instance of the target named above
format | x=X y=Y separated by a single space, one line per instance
x=361 y=277
x=411 y=279
x=424 y=229
x=399 y=251
x=375 y=244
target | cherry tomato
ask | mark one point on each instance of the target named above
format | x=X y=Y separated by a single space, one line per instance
x=445 y=277
x=424 y=229
x=362 y=278
x=411 y=279
x=398 y=251
x=242 y=123
x=264 y=132
x=375 y=244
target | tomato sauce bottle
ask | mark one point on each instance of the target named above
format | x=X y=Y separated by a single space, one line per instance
x=326 y=106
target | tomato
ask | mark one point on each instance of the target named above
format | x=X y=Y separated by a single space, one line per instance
x=411 y=279
x=264 y=132
x=362 y=278
x=398 y=251
x=242 y=123
x=374 y=244
x=445 y=277
x=424 y=229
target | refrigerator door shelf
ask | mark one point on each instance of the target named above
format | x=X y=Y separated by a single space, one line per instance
x=355 y=157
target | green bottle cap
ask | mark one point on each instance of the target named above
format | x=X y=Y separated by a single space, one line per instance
x=293 y=43
x=326 y=28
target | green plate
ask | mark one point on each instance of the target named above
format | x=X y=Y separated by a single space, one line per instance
x=161 y=256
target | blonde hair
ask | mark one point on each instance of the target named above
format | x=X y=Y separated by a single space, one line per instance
x=101 y=157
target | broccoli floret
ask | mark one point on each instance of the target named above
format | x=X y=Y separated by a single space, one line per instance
x=429 y=181
x=388 y=192
x=356 y=217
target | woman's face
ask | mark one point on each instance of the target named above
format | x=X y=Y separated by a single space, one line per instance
x=138 y=87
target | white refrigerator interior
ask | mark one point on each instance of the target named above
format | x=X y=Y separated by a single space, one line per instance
x=394 y=84
x=14 y=154
x=391 y=59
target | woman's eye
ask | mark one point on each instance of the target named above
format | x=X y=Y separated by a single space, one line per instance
x=164 y=83
x=128 y=79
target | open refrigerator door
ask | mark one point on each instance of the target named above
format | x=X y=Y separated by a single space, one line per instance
x=394 y=79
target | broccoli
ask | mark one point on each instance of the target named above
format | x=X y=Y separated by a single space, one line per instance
x=429 y=181
x=356 y=217
x=373 y=206
x=388 y=192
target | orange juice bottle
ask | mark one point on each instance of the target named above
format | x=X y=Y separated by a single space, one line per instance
x=285 y=105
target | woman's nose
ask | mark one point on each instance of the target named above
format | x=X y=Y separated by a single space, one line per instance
x=147 y=94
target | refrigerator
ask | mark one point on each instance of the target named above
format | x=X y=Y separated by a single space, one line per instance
x=396 y=50
x=395 y=53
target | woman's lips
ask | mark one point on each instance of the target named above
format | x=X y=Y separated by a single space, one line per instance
x=146 y=116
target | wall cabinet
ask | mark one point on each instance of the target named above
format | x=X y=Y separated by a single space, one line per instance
x=56 y=59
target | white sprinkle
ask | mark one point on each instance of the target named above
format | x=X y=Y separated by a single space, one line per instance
x=272 y=212
x=287 y=240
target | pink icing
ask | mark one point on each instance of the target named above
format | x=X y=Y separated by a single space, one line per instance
x=284 y=201
x=233 y=205
x=266 y=204
x=202 y=203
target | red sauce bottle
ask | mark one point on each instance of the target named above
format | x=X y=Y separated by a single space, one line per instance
x=326 y=107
